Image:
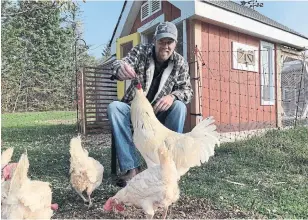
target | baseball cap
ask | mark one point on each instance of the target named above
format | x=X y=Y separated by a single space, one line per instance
x=166 y=29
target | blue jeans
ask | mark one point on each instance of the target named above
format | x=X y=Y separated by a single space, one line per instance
x=119 y=117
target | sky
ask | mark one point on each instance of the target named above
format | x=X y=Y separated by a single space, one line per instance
x=100 y=17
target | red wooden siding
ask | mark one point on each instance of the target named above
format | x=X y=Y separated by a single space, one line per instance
x=224 y=68
x=214 y=72
x=234 y=87
x=171 y=12
x=232 y=96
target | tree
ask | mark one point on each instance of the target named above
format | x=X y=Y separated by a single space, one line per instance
x=36 y=58
x=106 y=52
x=37 y=55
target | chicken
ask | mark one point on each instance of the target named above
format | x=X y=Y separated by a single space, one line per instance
x=155 y=187
x=188 y=150
x=7 y=174
x=26 y=198
x=7 y=170
x=86 y=173
x=6 y=157
x=5 y=167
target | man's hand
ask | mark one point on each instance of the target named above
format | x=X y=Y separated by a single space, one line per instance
x=163 y=104
x=126 y=72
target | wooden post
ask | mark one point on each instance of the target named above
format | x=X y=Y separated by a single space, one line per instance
x=83 y=102
x=113 y=156
x=195 y=40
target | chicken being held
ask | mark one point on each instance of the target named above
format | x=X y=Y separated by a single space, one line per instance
x=27 y=199
x=188 y=150
x=155 y=187
x=86 y=172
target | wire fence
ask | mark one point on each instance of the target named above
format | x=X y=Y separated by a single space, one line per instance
x=247 y=92
x=251 y=91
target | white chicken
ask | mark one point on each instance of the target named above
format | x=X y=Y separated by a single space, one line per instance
x=86 y=172
x=27 y=199
x=188 y=150
x=6 y=157
x=7 y=170
x=155 y=187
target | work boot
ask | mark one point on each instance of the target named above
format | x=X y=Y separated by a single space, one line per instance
x=127 y=176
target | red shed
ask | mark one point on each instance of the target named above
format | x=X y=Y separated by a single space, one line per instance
x=233 y=51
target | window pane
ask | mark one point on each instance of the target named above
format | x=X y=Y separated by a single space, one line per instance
x=265 y=72
x=267 y=75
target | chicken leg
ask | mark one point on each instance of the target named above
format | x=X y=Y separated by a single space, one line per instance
x=149 y=216
x=80 y=194
x=90 y=201
x=89 y=192
x=148 y=209
x=165 y=212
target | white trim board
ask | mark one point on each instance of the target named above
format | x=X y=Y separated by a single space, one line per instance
x=215 y=15
x=127 y=21
x=233 y=21
x=185 y=40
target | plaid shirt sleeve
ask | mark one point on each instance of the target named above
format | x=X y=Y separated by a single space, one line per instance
x=182 y=89
x=132 y=59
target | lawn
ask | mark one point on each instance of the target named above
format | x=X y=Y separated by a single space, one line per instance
x=264 y=177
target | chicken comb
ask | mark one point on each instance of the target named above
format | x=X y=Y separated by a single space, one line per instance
x=54 y=206
x=7 y=170
x=139 y=86
x=120 y=208
x=108 y=206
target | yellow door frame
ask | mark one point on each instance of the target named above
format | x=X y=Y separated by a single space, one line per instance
x=135 y=39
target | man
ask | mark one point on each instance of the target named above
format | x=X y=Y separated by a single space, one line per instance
x=165 y=80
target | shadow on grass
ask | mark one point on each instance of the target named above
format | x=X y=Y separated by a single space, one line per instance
x=36 y=133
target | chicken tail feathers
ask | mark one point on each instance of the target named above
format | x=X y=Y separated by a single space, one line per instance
x=206 y=128
x=21 y=173
x=207 y=136
x=197 y=147
x=6 y=156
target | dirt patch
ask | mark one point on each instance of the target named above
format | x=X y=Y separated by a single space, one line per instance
x=72 y=207
x=185 y=208
x=102 y=140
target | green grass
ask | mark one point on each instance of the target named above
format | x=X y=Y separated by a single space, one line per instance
x=266 y=176
x=37 y=118
x=47 y=145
